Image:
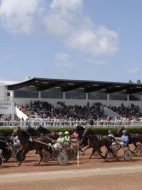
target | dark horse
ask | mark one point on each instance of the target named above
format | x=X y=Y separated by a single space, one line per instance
x=5 y=150
x=79 y=130
x=46 y=132
x=41 y=132
x=133 y=138
x=5 y=146
x=27 y=145
x=96 y=143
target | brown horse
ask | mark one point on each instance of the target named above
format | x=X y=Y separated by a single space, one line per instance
x=93 y=141
x=28 y=145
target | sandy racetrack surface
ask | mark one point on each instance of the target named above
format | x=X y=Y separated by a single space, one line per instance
x=82 y=174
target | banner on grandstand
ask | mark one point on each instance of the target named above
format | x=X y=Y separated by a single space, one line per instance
x=6 y=107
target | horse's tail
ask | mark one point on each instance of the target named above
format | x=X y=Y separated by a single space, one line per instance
x=138 y=137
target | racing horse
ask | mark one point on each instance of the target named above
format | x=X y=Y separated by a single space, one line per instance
x=77 y=133
x=28 y=145
x=5 y=150
x=6 y=147
x=46 y=132
x=133 y=138
x=96 y=143
x=41 y=132
x=79 y=130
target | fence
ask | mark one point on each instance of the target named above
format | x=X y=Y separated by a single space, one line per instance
x=72 y=124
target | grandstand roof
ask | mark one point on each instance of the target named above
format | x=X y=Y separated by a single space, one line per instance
x=65 y=85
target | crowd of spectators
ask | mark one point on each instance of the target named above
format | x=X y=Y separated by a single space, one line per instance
x=64 y=114
x=94 y=114
x=131 y=112
x=45 y=110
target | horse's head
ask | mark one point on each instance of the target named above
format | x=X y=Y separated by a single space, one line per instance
x=84 y=137
x=119 y=131
x=32 y=131
x=87 y=131
x=43 y=130
x=80 y=130
x=16 y=131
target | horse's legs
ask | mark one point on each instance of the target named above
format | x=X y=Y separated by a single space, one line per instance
x=23 y=153
x=41 y=155
x=109 y=149
x=98 y=150
x=93 y=151
x=80 y=148
x=86 y=148
x=100 y=153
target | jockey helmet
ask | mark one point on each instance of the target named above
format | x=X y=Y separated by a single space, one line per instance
x=61 y=134
x=66 y=133
x=124 y=131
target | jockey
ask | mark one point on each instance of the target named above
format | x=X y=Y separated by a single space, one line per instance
x=74 y=137
x=59 y=141
x=111 y=135
x=67 y=138
x=16 y=142
x=124 y=138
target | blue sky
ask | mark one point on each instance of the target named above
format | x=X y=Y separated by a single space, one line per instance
x=71 y=39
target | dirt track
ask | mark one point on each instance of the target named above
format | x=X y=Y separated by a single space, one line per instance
x=89 y=174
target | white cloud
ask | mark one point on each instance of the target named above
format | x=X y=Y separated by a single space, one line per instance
x=18 y=15
x=67 y=21
x=64 y=4
x=62 y=19
x=99 y=41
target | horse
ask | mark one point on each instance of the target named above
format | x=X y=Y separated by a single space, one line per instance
x=133 y=138
x=6 y=145
x=47 y=133
x=79 y=130
x=41 y=132
x=5 y=149
x=27 y=145
x=5 y=137
x=32 y=132
x=95 y=142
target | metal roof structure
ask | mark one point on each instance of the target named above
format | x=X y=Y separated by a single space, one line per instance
x=64 y=85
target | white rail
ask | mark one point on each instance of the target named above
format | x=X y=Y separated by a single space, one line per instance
x=72 y=124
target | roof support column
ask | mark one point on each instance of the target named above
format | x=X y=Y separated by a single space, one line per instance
x=12 y=104
x=64 y=96
x=39 y=95
x=128 y=97
x=86 y=96
x=107 y=96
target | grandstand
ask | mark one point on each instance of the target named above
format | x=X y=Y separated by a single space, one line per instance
x=83 y=100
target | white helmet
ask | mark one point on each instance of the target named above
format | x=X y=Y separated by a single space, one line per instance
x=66 y=133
